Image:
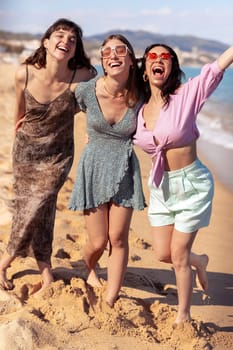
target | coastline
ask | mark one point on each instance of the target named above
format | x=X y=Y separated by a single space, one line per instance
x=219 y=160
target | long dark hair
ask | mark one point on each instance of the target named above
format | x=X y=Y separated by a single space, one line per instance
x=134 y=82
x=80 y=58
x=174 y=80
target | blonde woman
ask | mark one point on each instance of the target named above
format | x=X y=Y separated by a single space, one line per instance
x=108 y=184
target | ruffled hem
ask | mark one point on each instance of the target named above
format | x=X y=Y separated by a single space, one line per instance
x=89 y=194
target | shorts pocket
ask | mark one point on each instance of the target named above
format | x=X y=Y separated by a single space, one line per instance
x=201 y=180
x=189 y=185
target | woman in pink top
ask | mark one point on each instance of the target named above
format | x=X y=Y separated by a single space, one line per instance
x=181 y=187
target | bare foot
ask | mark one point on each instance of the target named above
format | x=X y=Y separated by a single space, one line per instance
x=38 y=288
x=182 y=318
x=93 y=279
x=47 y=279
x=202 y=273
x=5 y=284
x=111 y=301
x=180 y=324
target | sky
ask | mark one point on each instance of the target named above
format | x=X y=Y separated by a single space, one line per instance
x=208 y=19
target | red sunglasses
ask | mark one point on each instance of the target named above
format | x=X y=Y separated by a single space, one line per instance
x=154 y=56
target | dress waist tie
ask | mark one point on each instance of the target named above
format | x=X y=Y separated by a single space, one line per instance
x=158 y=166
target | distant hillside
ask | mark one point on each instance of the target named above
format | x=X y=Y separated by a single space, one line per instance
x=141 y=39
x=18 y=36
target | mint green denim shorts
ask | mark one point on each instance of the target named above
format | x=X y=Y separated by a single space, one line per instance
x=184 y=198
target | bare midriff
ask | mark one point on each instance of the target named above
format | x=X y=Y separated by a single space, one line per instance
x=178 y=158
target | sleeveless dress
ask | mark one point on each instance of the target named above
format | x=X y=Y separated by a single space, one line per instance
x=43 y=153
x=108 y=169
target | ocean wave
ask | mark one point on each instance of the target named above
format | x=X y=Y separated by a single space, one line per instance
x=212 y=129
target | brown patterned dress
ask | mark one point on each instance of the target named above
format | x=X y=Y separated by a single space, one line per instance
x=42 y=157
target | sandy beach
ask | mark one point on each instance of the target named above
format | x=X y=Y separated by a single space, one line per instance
x=70 y=315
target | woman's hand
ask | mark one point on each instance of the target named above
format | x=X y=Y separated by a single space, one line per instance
x=19 y=123
x=86 y=138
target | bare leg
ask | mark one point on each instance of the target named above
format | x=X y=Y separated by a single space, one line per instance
x=174 y=247
x=180 y=253
x=119 y=223
x=5 y=262
x=97 y=228
x=161 y=239
x=46 y=273
x=47 y=278
x=200 y=262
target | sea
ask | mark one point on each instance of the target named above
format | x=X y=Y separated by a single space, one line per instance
x=215 y=123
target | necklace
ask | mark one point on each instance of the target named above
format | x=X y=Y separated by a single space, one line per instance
x=117 y=95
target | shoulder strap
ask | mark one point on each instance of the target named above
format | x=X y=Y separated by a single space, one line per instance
x=72 y=78
x=26 y=81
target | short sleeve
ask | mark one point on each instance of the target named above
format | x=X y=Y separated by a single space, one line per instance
x=80 y=93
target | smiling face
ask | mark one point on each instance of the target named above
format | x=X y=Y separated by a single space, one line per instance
x=115 y=56
x=158 y=65
x=61 y=44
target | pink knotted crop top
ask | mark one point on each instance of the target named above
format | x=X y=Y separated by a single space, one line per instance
x=176 y=123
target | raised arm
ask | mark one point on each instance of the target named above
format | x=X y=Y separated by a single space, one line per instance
x=226 y=58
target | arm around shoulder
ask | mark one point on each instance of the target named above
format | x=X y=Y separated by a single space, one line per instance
x=226 y=58
x=85 y=74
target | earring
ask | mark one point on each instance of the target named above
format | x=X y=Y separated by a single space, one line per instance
x=145 y=77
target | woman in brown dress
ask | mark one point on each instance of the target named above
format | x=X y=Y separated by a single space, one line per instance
x=43 y=147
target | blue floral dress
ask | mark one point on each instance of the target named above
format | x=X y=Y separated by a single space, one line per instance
x=108 y=169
